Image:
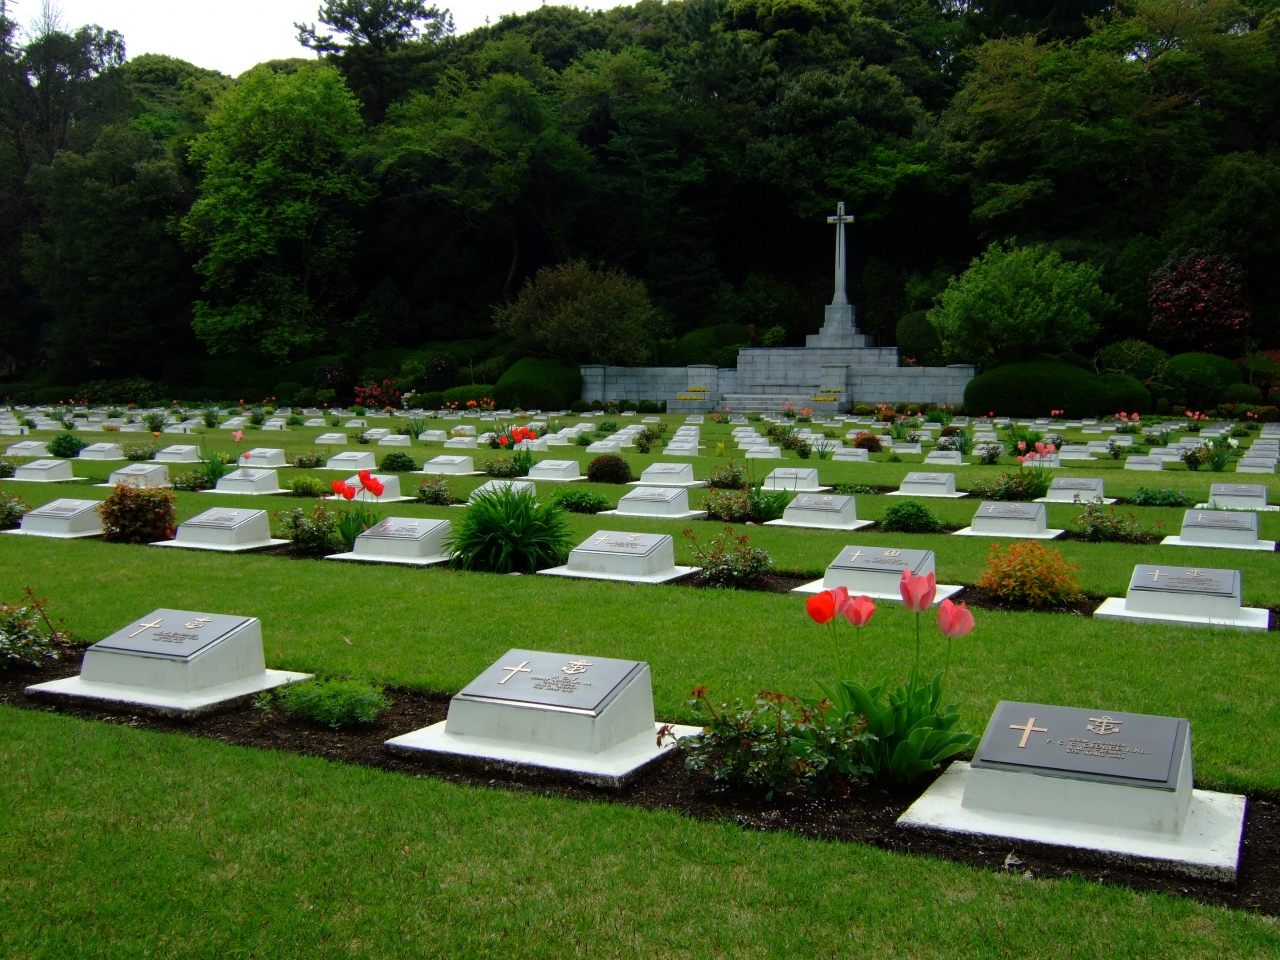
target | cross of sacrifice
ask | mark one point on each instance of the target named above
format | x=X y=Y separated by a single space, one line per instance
x=1027 y=730
x=523 y=668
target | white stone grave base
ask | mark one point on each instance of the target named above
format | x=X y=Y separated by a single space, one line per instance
x=687 y=515
x=1177 y=541
x=856 y=525
x=1050 y=534
x=59 y=480
x=55 y=536
x=1249 y=618
x=244 y=493
x=1269 y=508
x=542 y=479
x=170 y=703
x=610 y=768
x=221 y=547
x=674 y=573
x=403 y=561
x=672 y=483
x=1209 y=845
x=1081 y=503
x=945 y=591
x=958 y=495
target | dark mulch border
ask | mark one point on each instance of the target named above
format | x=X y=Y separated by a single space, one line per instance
x=866 y=815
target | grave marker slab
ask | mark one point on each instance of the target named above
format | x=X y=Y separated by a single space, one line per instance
x=492 y=487
x=390 y=489
x=928 y=484
x=605 y=446
x=1226 y=529
x=179 y=453
x=263 y=457
x=102 y=451
x=668 y=475
x=585 y=715
x=877 y=573
x=28 y=448
x=628 y=557
x=62 y=520
x=851 y=455
x=1238 y=496
x=248 y=481
x=433 y=436
x=556 y=471
x=410 y=541
x=395 y=440
x=671 y=503
x=764 y=452
x=43 y=471
x=176 y=663
x=331 y=439
x=225 y=530
x=945 y=457
x=1075 y=490
x=461 y=443
x=794 y=479
x=450 y=466
x=351 y=460
x=1112 y=782
x=141 y=476
x=821 y=511
x=1143 y=463
x=1184 y=596
x=998 y=518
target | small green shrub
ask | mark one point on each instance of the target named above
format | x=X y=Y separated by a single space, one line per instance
x=854 y=490
x=7 y=468
x=729 y=506
x=141 y=451
x=910 y=517
x=541 y=384
x=1030 y=573
x=509 y=531
x=307 y=486
x=581 y=501
x=866 y=440
x=1024 y=485
x=66 y=445
x=131 y=515
x=27 y=635
x=436 y=491
x=1033 y=388
x=645 y=439
x=776 y=744
x=1101 y=524
x=257 y=416
x=191 y=480
x=308 y=461
x=609 y=468
x=729 y=561
x=729 y=476
x=154 y=421
x=398 y=462
x=1164 y=497
x=294 y=421
x=333 y=703
x=12 y=507
x=516 y=465
x=210 y=417
x=314 y=534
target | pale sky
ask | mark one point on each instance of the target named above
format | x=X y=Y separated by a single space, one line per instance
x=228 y=35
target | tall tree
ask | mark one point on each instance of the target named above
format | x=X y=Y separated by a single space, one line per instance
x=272 y=223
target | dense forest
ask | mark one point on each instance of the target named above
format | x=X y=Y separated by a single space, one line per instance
x=402 y=203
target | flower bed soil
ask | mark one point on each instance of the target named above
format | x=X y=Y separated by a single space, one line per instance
x=866 y=814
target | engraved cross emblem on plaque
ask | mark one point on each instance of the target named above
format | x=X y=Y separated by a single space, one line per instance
x=144 y=627
x=855 y=556
x=1027 y=729
x=522 y=668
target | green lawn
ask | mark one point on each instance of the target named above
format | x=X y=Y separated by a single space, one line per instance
x=123 y=843
x=119 y=842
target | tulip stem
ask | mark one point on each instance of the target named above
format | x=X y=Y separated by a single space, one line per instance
x=835 y=642
x=946 y=671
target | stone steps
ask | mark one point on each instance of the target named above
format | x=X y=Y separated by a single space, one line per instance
x=771 y=402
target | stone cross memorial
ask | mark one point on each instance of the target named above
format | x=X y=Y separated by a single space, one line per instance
x=1116 y=783
x=628 y=557
x=175 y=662
x=62 y=520
x=1184 y=596
x=583 y=715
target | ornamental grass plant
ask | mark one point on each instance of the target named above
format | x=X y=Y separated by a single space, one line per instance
x=334 y=703
x=509 y=531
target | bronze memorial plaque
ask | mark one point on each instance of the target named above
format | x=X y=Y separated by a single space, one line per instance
x=171 y=634
x=552 y=681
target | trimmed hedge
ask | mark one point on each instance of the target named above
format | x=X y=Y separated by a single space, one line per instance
x=916 y=337
x=1035 y=387
x=541 y=384
x=475 y=391
x=1199 y=367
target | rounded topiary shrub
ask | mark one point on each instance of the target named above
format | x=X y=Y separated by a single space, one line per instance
x=609 y=468
x=1242 y=393
x=1201 y=366
x=540 y=384
x=398 y=462
x=66 y=445
x=910 y=517
x=1035 y=387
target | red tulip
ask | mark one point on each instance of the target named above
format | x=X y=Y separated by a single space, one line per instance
x=363 y=475
x=502 y=441
x=859 y=610
x=953 y=620
x=339 y=486
x=840 y=596
x=375 y=486
x=917 y=592
x=348 y=493
x=821 y=607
